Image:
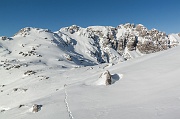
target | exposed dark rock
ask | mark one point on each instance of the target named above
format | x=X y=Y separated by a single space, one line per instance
x=108 y=78
x=15 y=89
x=30 y=72
x=17 y=66
x=2 y=85
x=68 y=57
x=36 y=108
x=72 y=29
x=3 y=110
x=39 y=55
x=43 y=77
x=4 y=38
x=21 y=106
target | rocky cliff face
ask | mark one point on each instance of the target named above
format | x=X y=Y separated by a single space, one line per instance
x=127 y=40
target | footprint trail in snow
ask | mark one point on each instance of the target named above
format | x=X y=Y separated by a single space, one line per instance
x=67 y=104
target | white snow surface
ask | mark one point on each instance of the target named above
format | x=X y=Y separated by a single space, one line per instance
x=145 y=87
x=174 y=38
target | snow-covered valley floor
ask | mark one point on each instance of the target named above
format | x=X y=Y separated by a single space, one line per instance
x=147 y=87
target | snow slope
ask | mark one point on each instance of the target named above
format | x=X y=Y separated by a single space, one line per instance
x=149 y=89
x=38 y=69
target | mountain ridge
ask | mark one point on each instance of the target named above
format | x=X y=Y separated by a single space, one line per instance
x=100 y=44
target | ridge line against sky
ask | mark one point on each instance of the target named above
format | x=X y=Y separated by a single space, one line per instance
x=55 y=14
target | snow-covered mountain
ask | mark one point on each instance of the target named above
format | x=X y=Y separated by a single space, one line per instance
x=64 y=73
x=87 y=46
x=124 y=42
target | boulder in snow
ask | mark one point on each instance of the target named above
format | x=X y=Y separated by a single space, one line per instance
x=36 y=108
x=104 y=79
x=108 y=77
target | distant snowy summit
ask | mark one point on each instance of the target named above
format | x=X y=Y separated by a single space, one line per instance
x=78 y=46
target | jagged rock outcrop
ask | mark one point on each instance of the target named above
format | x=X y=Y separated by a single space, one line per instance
x=123 y=39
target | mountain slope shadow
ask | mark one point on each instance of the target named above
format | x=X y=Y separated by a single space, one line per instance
x=115 y=77
x=78 y=59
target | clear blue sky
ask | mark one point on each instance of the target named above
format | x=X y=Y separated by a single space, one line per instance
x=163 y=15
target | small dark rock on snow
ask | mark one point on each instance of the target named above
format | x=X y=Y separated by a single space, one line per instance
x=36 y=108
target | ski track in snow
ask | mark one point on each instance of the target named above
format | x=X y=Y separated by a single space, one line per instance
x=67 y=104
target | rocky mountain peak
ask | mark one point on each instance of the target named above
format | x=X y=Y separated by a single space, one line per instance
x=28 y=30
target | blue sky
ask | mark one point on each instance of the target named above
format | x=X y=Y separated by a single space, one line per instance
x=163 y=15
